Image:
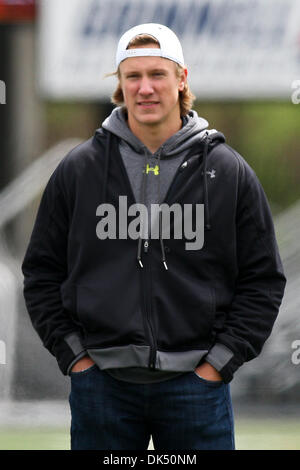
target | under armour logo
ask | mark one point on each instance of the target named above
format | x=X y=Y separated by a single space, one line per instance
x=154 y=169
x=211 y=173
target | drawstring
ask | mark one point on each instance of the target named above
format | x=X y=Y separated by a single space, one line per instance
x=146 y=244
x=106 y=162
x=162 y=243
x=139 y=252
x=142 y=198
x=206 y=208
x=162 y=247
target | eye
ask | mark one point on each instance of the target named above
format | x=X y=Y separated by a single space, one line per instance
x=132 y=75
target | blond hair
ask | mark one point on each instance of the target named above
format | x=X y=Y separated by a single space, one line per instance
x=186 y=97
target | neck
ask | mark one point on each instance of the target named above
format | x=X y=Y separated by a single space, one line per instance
x=154 y=136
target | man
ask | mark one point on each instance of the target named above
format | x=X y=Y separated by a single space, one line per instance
x=150 y=325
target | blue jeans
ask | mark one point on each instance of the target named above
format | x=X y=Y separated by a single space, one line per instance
x=186 y=412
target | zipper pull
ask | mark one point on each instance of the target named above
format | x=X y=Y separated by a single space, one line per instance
x=146 y=246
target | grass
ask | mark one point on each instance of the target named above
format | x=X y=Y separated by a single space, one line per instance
x=34 y=439
x=251 y=434
x=267 y=434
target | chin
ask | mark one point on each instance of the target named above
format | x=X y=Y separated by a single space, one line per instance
x=150 y=119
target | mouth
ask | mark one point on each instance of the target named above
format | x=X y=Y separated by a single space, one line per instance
x=148 y=104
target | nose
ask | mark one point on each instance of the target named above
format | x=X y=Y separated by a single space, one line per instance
x=145 y=86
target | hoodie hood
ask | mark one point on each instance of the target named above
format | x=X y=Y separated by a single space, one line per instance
x=193 y=130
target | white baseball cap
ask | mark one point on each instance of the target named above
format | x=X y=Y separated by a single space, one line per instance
x=170 y=47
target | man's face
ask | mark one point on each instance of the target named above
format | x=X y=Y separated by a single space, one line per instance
x=151 y=88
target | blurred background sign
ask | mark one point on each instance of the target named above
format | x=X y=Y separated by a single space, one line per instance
x=235 y=49
x=17 y=10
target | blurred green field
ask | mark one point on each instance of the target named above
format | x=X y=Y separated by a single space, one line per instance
x=251 y=434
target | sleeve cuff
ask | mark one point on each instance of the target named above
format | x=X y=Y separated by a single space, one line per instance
x=218 y=356
x=73 y=340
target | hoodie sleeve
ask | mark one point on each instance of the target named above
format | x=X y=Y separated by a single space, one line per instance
x=45 y=268
x=260 y=282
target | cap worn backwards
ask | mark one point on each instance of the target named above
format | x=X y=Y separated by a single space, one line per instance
x=170 y=47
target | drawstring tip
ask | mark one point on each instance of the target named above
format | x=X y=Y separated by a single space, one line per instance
x=208 y=227
x=140 y=263
x=165 y=265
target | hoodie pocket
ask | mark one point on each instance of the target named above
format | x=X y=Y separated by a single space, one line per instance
x=184 y=312
x=111 y=317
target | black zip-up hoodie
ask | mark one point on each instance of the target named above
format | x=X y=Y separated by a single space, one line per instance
x=114 y=297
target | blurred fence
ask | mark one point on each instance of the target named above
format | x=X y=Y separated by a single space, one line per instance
x=26 y=187
x=13 y=199
x=9 y=286
x=273 y=372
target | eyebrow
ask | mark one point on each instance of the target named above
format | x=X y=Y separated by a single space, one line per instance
x=137 y=71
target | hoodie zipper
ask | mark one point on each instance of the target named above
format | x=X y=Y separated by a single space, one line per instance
x=148 y=276
x=146 y=279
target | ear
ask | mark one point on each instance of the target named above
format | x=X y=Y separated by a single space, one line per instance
x=183 y=79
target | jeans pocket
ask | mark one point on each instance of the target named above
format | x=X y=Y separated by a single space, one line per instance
x=84 y=371
x=212 y=383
